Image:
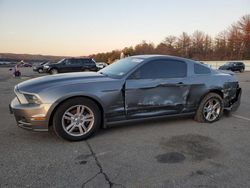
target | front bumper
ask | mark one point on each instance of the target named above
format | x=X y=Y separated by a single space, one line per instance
x=30 y=116
x=236 y=100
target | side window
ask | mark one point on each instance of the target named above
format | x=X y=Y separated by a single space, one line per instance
x=79 y=62
x=88 y=62
x=161 y=69
x=67 y=62
x=201 y=69
x=84 y=62
x=74 y=62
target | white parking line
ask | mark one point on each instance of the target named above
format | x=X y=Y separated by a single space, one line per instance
x=241 y=117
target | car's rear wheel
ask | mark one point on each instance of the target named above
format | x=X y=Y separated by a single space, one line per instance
x=77 y=119
x=210 y=108
x=40 y=70
x=53 y=71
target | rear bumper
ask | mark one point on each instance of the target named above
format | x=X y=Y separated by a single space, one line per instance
x=30 y=116
x=235 y=102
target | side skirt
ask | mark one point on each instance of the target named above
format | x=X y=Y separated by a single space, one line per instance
x=114 y=123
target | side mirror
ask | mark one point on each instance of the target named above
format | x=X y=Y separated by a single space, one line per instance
x=135 y=75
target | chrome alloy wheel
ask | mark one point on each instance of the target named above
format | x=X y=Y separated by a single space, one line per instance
x=78 y=120
x=212 y=109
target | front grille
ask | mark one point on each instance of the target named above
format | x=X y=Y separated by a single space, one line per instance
x=23 y=123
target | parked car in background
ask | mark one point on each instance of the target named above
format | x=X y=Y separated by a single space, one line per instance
x=5 y=63
x=233 y=66
x=71 y=65
x=101 y=65
x=40 y=66
x=26 y=65
x=137 y=87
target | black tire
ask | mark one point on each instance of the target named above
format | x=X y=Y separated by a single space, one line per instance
x=58 y=126
x=53 y=71
x=241 y=70
x=200 y=117
x=40 y=70
x=17 y=73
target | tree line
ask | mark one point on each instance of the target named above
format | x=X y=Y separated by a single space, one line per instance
x=230 y=44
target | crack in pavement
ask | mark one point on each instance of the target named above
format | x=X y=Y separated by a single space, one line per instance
x=90 y=179
x=111 y=184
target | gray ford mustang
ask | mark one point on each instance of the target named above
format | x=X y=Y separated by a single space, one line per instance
x=137 y=87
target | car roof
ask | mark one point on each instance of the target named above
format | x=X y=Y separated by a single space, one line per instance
x=78 y=58
x=156 y=56
x=235 y=62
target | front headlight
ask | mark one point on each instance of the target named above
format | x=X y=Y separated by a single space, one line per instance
x=32 y=99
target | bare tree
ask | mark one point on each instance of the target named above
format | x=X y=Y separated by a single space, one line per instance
x=198 y=39
x=220 y=46
x=234 y=42
x=144 y=48
x=184 y=45
x=244 y=27
x=208 y=47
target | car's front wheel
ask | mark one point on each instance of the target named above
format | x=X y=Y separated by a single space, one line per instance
x=53 y=71
x=77 y=119
x=210 y=108
x=40 y=70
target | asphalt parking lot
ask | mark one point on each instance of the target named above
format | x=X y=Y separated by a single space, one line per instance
x=176 y=152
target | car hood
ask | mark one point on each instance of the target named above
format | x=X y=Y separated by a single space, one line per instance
x=46 y=82
x=226 y=72
x=224 y=66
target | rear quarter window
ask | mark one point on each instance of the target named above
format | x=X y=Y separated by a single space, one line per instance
x=87 y=62
x=201 y=69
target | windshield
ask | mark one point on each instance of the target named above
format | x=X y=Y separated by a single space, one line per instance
x=60 y=61
x=121 y=67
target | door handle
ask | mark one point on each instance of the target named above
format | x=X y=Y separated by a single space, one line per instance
x=170 y=84
x=180 y=83
x=148 y=87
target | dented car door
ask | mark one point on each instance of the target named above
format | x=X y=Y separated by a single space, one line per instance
x=156 y=92
x=145 y=98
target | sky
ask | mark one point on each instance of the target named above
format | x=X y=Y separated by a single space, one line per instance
x=83 y=27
